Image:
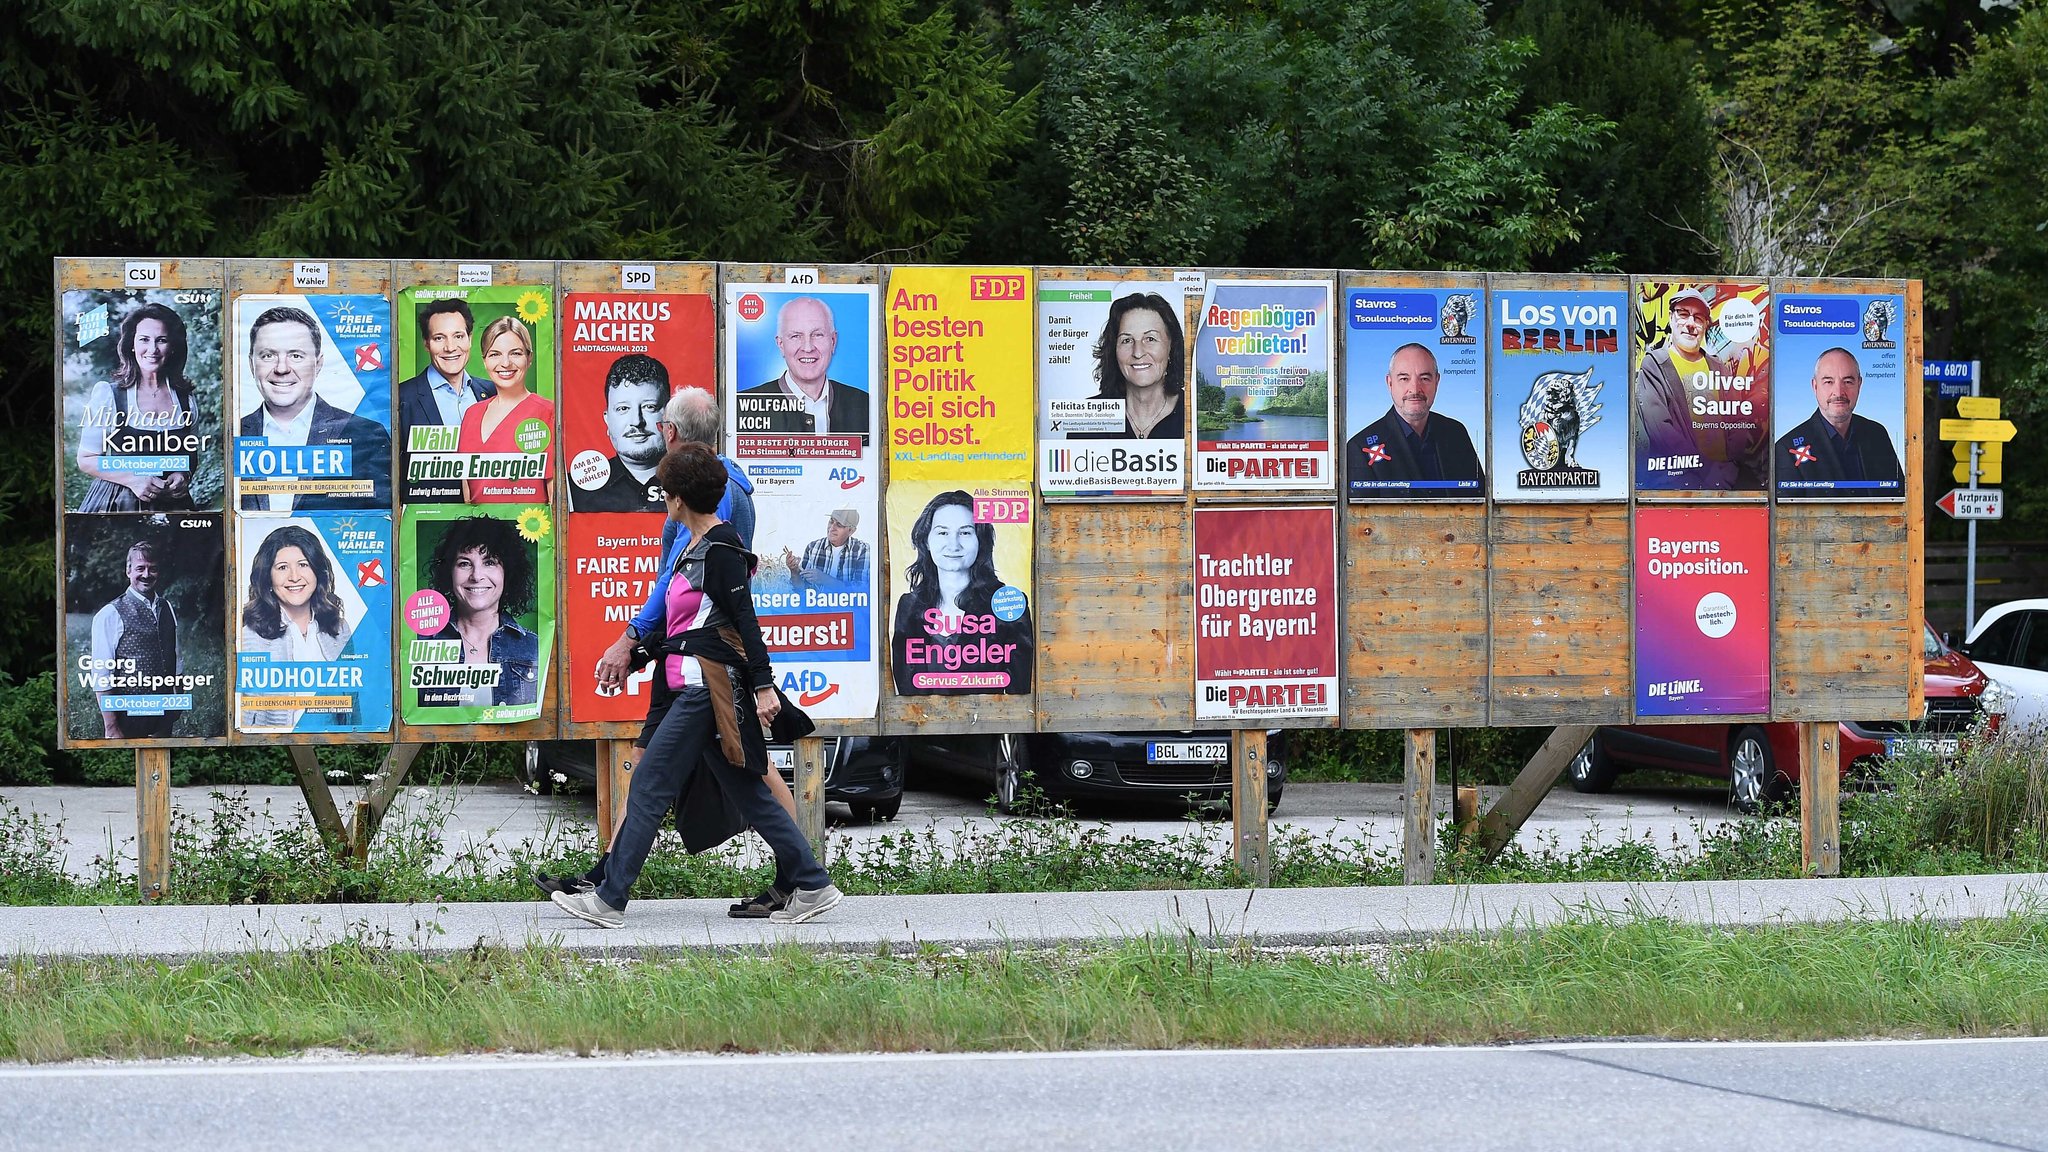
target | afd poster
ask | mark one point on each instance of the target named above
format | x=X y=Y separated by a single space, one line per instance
x=312 y=404
x=1703 y=610
x=623 y=355
x=313 y=623
x=1702 y=386
x=141 y=405
x=1422 y=435
x=1265 y=612
x=1112 y=386
x=477 y=615
x=1560 y=395
x=1840 y=413
x=962 y=622
x=144 y=655
x=1263 y=398
x=476 y=394
x=803 y=364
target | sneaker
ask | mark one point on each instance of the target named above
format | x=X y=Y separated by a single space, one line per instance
x=807 y=904
x=553 y=884
x=589 y=907
x=773 y=900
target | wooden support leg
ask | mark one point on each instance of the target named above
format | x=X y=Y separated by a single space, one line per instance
x=319 y=797
x=615 y=761
x=1505 y=818
x=1418 y=828
x=1820 y=799
x=360 y=830
x=153 y=822
x=810 y=792
x=369 y=812
x=1248 y=804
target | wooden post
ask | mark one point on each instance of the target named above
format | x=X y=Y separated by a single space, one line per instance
x=809 y=792
x=1418 y=793
x=1248 y=803
x=615 y=761
x=1465 y=812
x=359 y=831
x=319 y=797
x=1820 y=799
x=1531 y=785
x=153 y=822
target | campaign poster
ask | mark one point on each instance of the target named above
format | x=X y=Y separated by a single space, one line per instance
x=1265 y=613
x=477 y=613
x=611 y=570
x=1702 y=386
x=476 y=394
x=1263 y=401
x=1112 y=384
x=1415 y=394
x=1560 y=400
x=312 y=404
x=313 y=623
x=1703 y=611
x=960 y=366
x=142 y=400
x=623 y=355
x=144 y=650
x=960 y=581
x=1840 y=413
x=803 y=363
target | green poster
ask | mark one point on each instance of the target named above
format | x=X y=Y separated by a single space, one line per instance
x=476 y=394
x=478 y=623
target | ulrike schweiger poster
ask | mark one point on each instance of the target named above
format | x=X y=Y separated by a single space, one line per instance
x=1263 y=401
x=1265 y=612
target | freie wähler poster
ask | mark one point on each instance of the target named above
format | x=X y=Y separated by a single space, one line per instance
x=1112 y=386
x=1264 y=404
x=1415 y=394
x=477 y=613
x=476 y=394
x=1702 y=386
x=313 y=623
x=1703 y=610
x=1840 y=412
x=142 y=400
x=802 y=365
x=1560 y=394
x=312 y=404
x=1265 y=612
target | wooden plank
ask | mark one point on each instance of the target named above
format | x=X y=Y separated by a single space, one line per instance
x=1530 y=786
x=1415 y=615
x=809 y=792
x=1820 y=800
x=1916 y=500
x=1248 y=804
x=1560 y=608
x=153 y=822
x=1115 y=617
x=1845 y=643
x=1418 y=791
x=319 y=797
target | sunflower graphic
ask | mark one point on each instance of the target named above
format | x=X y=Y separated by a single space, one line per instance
x=533 y=306
x=533 y=525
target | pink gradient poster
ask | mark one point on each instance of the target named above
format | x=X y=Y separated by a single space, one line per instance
x=1703 y=611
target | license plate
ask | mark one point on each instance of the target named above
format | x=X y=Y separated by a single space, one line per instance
x=1180 y=752
x=1931 y=745
x=784 y=759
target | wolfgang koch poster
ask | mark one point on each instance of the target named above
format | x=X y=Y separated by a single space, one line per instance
x=1415 y=394
x=313 y=623
x=1265 y=612
x=1702 y=386
x=312 y=404
x=1703 y=610
x=1112 y=387
x=1560 y=394
x=1263 y=399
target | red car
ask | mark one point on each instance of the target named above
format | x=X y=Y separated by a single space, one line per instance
x=1761 y=761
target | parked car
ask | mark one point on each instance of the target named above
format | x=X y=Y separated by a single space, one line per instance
x=1097 y=765
x=864 y=773
x=1761 y=761
x=2011 y=643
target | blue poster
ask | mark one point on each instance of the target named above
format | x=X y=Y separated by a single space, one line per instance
x=313 y=623
x=1839 y=415
x=312 y=410
x=1414 y=394
x=1560 y=394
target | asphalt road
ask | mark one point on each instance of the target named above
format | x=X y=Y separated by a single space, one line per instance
x=1861 y=1096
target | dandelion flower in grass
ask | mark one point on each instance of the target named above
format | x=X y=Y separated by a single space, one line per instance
x=533 y=524
x=421 y=793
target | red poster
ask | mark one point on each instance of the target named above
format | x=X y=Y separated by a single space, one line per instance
x=1265 y=612
x=610 y=570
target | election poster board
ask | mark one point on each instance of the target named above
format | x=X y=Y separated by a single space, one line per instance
x=1112 y=387
x=1264 y=397
x=312 y=403
x=144 y=657
x=1265 y=613
x=802 y=366
x=141 y=399
x=1560 y=393
x=1840 y=414
x=477 y=613
x=1703 y=610
x=1702 y=387
x=476 y=393
x=1415 y=393
x=313 y=623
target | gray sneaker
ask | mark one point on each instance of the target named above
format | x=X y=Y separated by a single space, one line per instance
x=589 y=907
x=808 y=904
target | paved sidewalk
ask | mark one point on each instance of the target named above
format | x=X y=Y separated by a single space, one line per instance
x=865 y=923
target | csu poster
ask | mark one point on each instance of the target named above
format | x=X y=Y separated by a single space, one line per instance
x=477 y=613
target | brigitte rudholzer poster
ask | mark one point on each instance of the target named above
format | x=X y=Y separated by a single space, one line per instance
x=1840 y=414
x=1263 y=404
x=144 y=650
x=1703 y=386
x=1560 y=395
x=312 y=404
x=142 y=400
x=1703 y=611
x=1112 y=387
x=313 y=623
x=1420 y=437
x=477 y=617
x=476 y=394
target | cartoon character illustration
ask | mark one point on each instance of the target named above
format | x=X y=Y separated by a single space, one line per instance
x=1560 y=409
x=1457 y=316
x=1877 y=320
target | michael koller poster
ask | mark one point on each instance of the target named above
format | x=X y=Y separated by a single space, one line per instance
x=144 y=656
x=1415 y=394
x=476 y=394
x=1560 y=394
x=312 y=404
x=1264 y=402
x=1840 y=413
x=142 y=400
x=1112 y=386
x=476 y=614
x=1703 y=386
x=313 y=623
x=1703 y=610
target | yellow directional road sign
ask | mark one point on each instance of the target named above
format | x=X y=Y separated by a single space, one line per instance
x=1977 y=407
x=1991 y=454
x=1984 y=431
x=1986 y=473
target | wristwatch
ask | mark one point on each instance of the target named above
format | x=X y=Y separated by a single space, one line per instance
x=633 y=632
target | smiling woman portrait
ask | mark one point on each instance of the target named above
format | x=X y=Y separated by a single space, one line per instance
x=492 y=427
x=486 y=572
x=947 y=626
x=290 y=614
x=1141 y=359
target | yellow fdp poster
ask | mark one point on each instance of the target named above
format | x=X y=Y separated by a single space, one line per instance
x=959 y=364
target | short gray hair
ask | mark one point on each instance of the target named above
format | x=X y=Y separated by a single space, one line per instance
x=693 y=413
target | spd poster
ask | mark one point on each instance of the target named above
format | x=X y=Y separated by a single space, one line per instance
x=1840 y=413
x=312 y=404
x=611 y=569
x=313 y=623
x=1263 y=399
x=142 y=400
x=1415 y=394
x=144 y=656
x=1265 y=612
x=477 y=617
x=1560 y=395
x=623 y=355
x=1702 y=386
x=1112 y=382
x=1703 y=610
x=476 y=394
x=962 y=623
